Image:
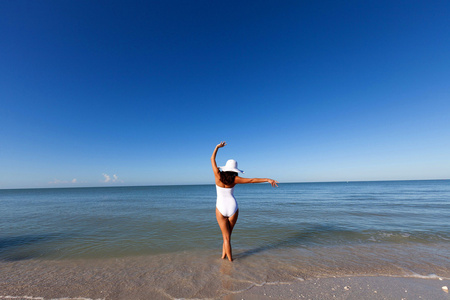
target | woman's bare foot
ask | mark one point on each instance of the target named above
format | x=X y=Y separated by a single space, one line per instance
x=224 y=255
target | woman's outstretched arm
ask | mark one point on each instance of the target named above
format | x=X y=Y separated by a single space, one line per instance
x=255 y=180
x=213 y=158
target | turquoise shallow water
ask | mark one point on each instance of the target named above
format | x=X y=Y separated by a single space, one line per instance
x=138 y=221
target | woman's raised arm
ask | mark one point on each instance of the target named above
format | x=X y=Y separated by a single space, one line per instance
x=213 y=157
x=241 y=180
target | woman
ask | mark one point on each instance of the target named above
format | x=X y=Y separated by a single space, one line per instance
x=226 y=206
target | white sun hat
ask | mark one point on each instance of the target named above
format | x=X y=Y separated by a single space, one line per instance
x=231 y=166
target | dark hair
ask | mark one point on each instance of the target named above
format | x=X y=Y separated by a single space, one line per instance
x=227 y=177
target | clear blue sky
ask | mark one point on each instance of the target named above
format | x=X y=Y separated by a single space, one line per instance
x=99 y=93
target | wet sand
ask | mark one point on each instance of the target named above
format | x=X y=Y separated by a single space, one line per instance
x=351 y=288
x=182 y=276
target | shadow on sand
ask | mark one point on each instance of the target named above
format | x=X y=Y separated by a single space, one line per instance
x=302 y=237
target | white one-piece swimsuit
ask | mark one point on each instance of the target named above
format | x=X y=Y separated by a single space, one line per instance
x=226 y=203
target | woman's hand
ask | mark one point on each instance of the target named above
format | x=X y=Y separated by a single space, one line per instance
x=273 y=182
x=222 y=144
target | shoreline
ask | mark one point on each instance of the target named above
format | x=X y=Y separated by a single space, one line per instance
x=347 y=287
x=181 y=277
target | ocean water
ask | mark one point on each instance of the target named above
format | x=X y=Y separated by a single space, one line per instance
x=160 y=234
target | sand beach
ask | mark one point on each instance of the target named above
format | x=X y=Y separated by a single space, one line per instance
x=157 y=278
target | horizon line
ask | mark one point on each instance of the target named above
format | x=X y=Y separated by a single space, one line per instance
x=197 y=184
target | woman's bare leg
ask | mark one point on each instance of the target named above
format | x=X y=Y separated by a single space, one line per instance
x=233 y=220
x=226 y=226
x=224 y=253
